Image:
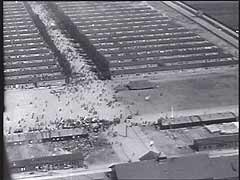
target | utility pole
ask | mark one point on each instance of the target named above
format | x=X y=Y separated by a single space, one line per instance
x=126 y=131
x=171 y=118
x=172 y=112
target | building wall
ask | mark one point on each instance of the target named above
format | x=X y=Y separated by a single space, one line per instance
x=222 y=145
x=49 y=166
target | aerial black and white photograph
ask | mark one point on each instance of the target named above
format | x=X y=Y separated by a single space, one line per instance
x=121 y=90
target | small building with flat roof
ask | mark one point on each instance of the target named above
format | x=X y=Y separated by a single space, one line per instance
x=140 y=84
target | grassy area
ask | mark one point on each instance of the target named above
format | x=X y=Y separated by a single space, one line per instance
x=225 y=12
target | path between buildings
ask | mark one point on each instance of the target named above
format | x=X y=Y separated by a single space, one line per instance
x=132 y=146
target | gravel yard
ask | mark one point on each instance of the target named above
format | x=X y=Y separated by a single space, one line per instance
x=199 y=93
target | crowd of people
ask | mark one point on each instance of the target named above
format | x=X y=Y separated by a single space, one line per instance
x=85 y=96
x=86 y=99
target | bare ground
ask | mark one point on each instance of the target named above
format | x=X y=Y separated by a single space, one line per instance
x=209 y=94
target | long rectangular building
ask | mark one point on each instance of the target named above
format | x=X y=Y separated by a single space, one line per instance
x=131 y=38
x=197 y=120
x=28 y=59
x=194 y=167
x=216 y=142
